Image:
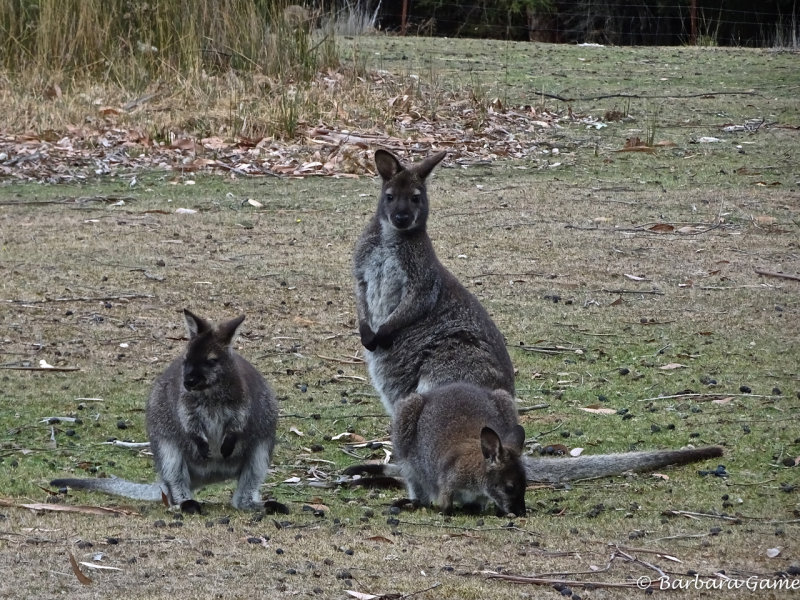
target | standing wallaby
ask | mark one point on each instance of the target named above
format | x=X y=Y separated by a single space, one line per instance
x=420 y=326
x=423 y=329
x=458 y=445
x=210 y=417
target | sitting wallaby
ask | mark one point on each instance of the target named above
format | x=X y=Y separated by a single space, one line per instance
x=210 y=417
x=420 y=326
x=458 y=444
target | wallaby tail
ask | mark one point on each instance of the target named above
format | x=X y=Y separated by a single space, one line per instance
x=114 y=485
x=381 y=475
x=554 y=470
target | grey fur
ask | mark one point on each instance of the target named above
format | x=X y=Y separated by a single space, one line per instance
x=422 y=329
x=458 y=445
x=420 y=326
x=210 y=417
x=554 y=470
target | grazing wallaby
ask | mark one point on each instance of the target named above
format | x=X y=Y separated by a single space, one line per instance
x=458 y=445
x=420 y=326
x=210 y=417
x=461 y=444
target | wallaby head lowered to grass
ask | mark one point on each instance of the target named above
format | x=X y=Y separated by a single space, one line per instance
x=420 y=326
x=210 y=417
x=458 y=445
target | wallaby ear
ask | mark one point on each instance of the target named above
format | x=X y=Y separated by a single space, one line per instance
x=424 y=168
x=388 y=164
x=516 y=439
x=491 y=446
x=194 y=324
x=227 y=331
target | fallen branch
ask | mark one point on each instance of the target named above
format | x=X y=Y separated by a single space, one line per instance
x=646 y=96
x=766 y=273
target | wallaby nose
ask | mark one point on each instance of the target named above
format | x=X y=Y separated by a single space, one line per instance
x=519 y=509
x=192 y=381
x=401 y=220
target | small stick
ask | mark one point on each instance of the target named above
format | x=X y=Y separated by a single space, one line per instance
x=13 y=368
x=348 y=361
x=655 y=292
x=698 y=395
x=82 y=299
x=766 y=273
x=565 y=582
x=690 y=514
x=524 y=409
x=128 y=444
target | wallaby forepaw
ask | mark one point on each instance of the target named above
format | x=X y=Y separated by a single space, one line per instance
x=273 y=507
x=191 y=507
x=228 y=444
x=368 y=339
x=407 y=503
x=384 y=338
x=202 y=446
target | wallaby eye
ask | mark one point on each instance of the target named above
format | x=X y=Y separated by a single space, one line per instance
x=416 y=198
x=389 y=197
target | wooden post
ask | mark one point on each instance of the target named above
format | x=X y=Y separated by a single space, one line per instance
x=404 y=18
x=693 y=22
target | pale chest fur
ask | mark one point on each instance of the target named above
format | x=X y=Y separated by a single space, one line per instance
x=386 y=281
x=216 y=422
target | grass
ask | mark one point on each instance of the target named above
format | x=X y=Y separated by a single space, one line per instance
x=518 y=233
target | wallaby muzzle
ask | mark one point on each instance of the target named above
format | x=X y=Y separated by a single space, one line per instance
x=193 y=380
x=402 y=219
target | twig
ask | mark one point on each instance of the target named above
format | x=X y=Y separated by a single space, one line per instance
x=655 y=292
x=638 y=561
x=434 y=586
x=646 y=96
x=54 y=369
x=81 y=299
x=698 y=395
x=122 y=444
x=525 y=409
x=349 y=361
x=690 y=514
x=659 y=553
x=766 y=273
x=565 y=582
x=552 y=349
x=354 y=377
x=684 y=536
